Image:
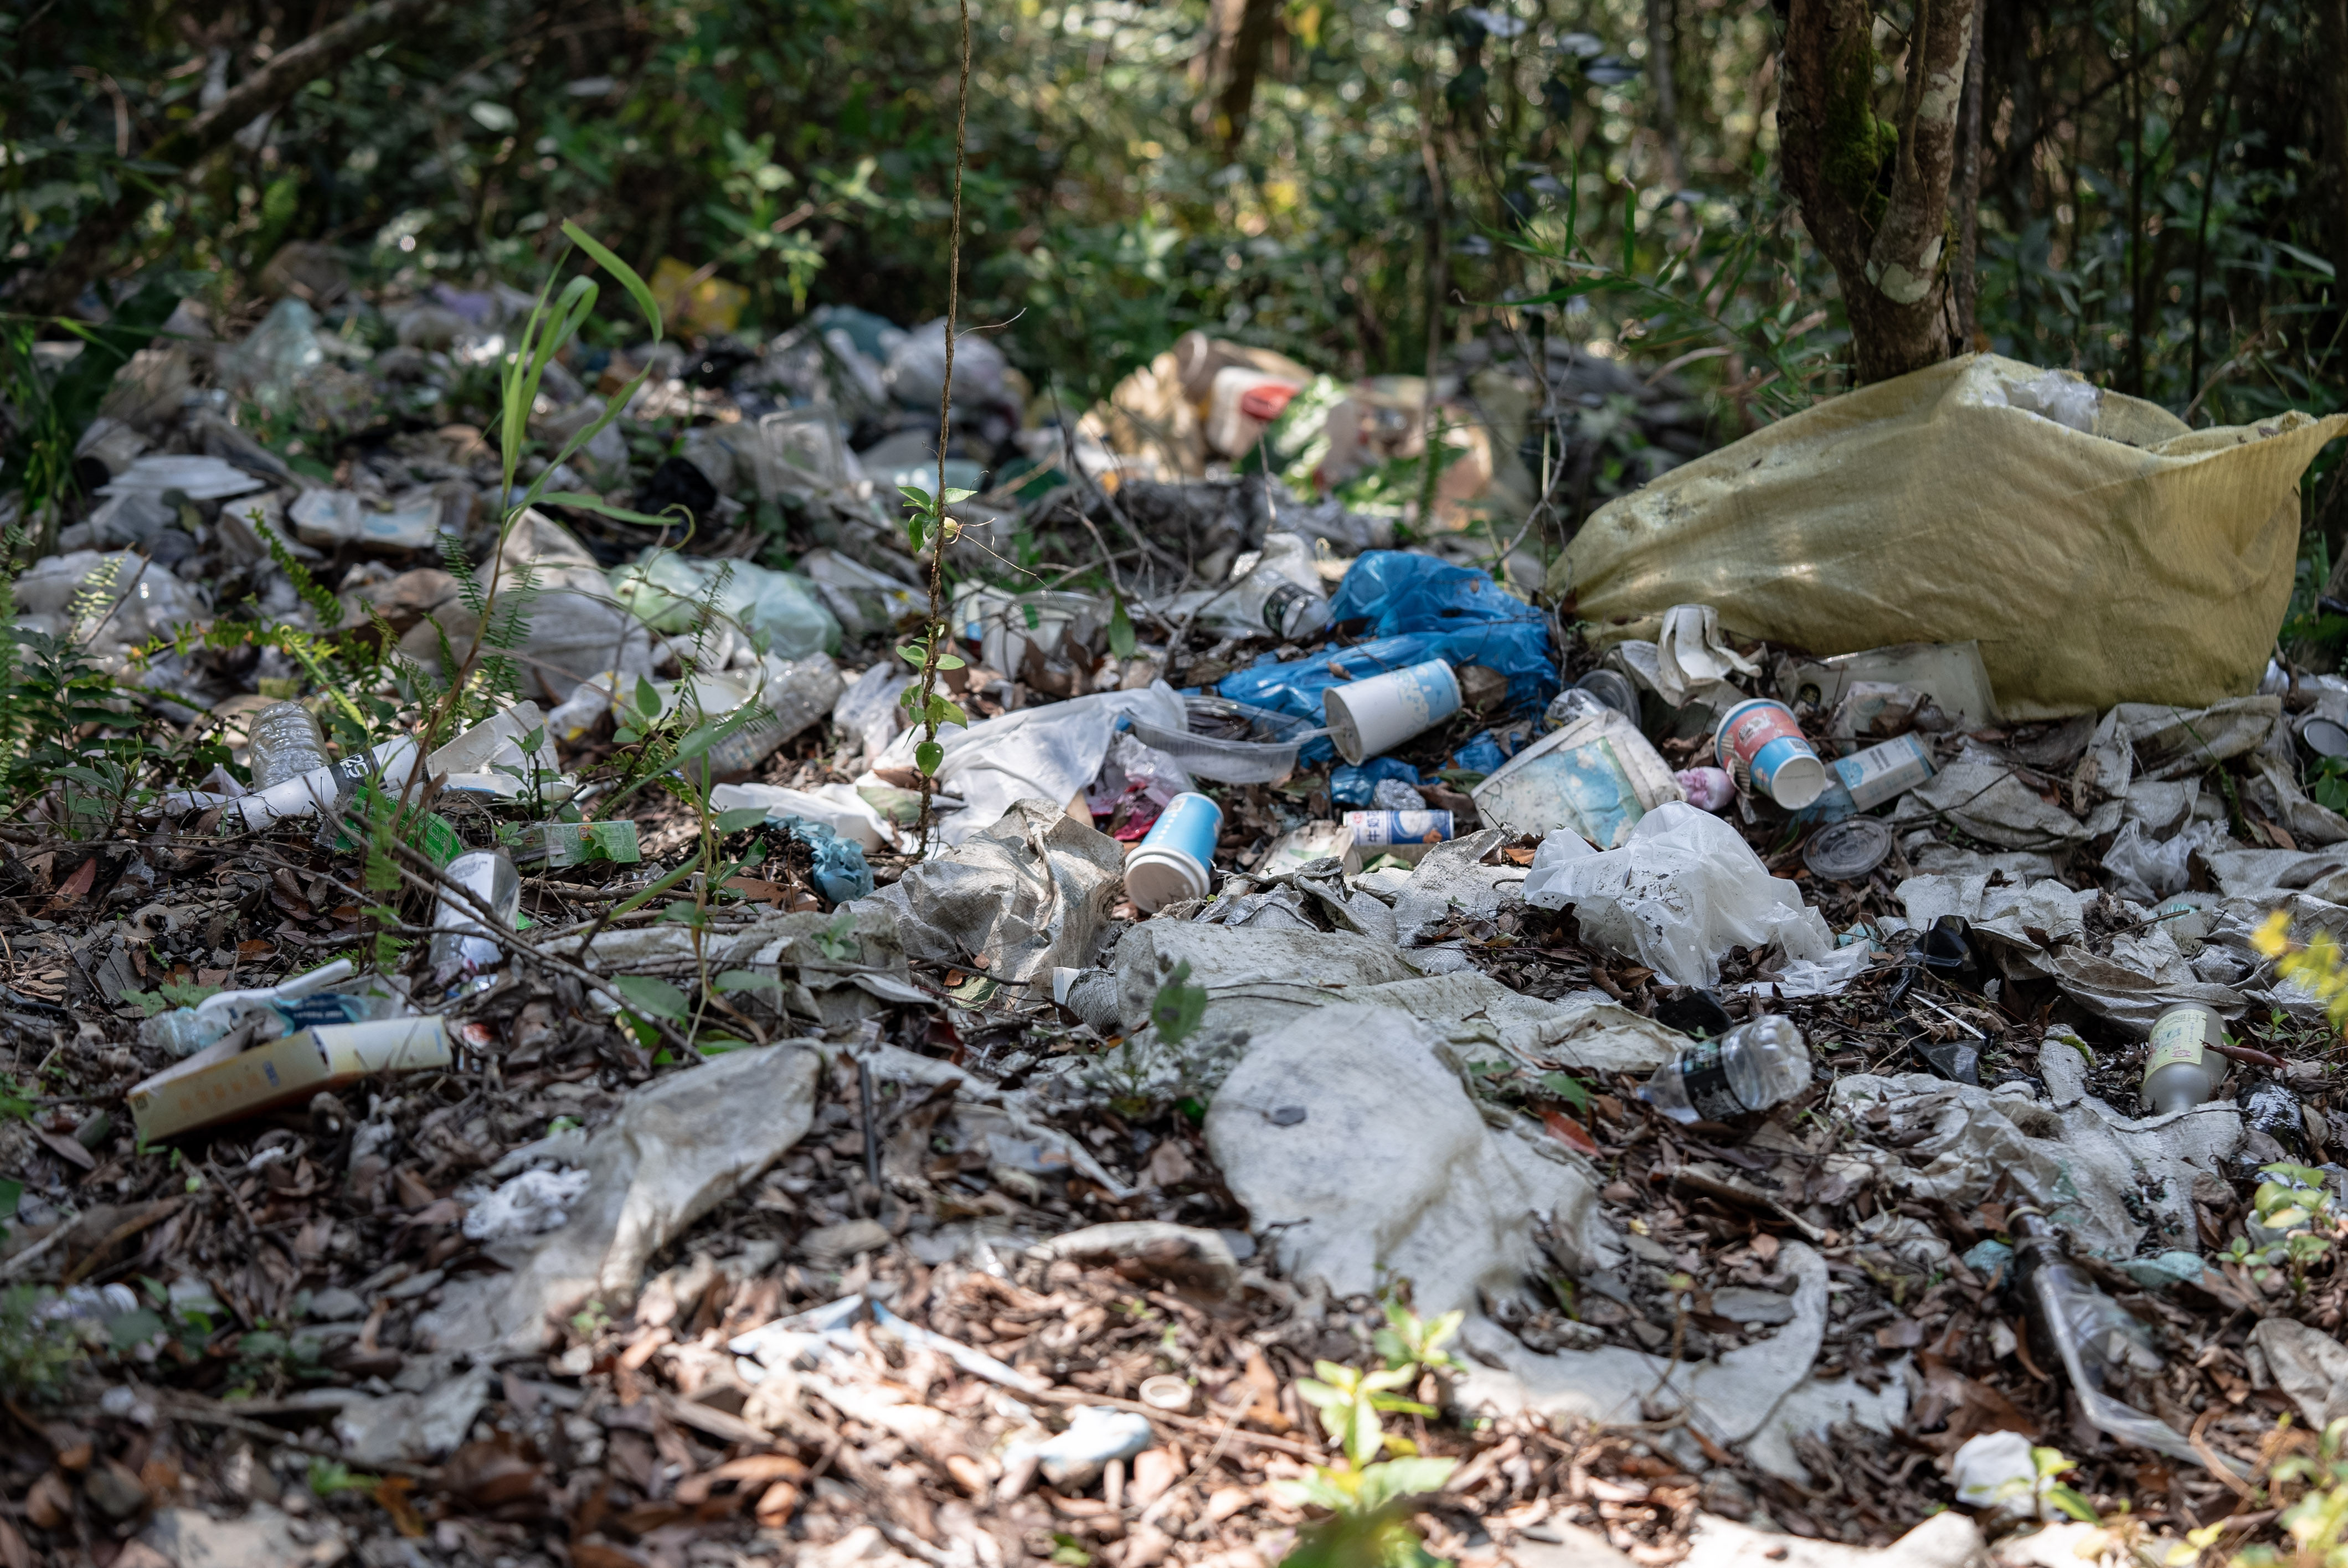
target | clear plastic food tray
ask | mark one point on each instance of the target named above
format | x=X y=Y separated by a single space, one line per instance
x=1233 y=743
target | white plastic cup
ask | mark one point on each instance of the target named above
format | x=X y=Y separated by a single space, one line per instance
x=1368 y=718
x=1174 y=861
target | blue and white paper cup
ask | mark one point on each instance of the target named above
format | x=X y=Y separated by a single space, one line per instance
x=1761 y=744
x=1174 y=861
x=1368 y=718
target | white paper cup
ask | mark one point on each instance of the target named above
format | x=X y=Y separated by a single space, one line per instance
x=1174 y=861
x=1368 y=718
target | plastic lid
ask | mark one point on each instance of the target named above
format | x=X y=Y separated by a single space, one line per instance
x=1798 y=782
x=1848 y=850
x=2325 y=738
x=1158 y=877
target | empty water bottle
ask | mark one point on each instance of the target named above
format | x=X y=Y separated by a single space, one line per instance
x=286 y=743
x=1282 y=594
x=460 y=943
x=2181 y=1067
x=2098 y=1342
x=1751 y=1068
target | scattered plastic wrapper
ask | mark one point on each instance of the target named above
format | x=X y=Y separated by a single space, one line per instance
x=578 y=843
x=215 y=1085
x=839 y=870
x=676 y=1148
x=836 y=806
x=1694 y=661
x=669 y=593
x=1097 y=1437
x=1596 y=779
x=1682 y=889
x=1051 y=752
x=1026 y=894
x=331 y=519
x=1233 y=742
x=1358 y=786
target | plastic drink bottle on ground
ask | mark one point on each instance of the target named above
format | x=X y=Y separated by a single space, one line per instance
x=2181 y=1068
x=459 y=941
x=1278 y=595
x=286 y=743
x=1751 y=1068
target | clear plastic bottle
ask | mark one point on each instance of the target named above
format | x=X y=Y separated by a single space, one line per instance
x=1281 y=594
x=286 y=742
x=2099 y=1344
x=1572 y=705
x=1751 y=1068
x=2180 y=1070
x=460 y=945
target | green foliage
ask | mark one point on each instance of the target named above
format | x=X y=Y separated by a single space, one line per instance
x=329 y=1478
x=37 y=1352
x=1180 y=1006
x=1367 y=1496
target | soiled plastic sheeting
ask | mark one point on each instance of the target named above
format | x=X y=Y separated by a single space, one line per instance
x=1049 y=752
x=1026 y=895
x=675 y=1149
x=1682 y=890
x=1519 y=650
x=1392 y=1170
x=1935 y=507
x=2106 y=1179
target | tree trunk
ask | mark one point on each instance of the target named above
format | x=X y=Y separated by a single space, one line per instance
x=87 y=250
x=1874 y=194
x=1659 y=72
x=2331 y=17
x=1971 y=120
x=1256 y=24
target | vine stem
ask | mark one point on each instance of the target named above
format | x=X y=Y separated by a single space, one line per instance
x=937 y=540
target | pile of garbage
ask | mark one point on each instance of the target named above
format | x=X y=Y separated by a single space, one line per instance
x=1709 y=1076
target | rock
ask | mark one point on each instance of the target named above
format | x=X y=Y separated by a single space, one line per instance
x=1572 y=1547
x=336 y=1305
x=189 y=1538
x=1943 y=1540
x=415 y=1427
x=828 y=1246
x=113 y=1490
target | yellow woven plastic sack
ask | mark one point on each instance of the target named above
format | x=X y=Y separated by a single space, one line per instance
x=2099 y=549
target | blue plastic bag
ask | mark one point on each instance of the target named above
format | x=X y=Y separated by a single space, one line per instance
x=839 y=871
x=1352 y=786
x=1481 y=755
x=1399 y=592
x=1517 y=649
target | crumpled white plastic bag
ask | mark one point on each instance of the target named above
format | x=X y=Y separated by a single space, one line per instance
x=1682 y=890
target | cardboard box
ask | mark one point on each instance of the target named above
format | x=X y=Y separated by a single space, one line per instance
x=213 y=1086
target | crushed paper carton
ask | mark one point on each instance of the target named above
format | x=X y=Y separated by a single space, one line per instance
x=216 y=1085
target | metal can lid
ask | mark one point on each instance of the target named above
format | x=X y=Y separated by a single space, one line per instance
x=1848 y=850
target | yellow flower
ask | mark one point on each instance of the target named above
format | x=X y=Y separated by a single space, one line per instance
x=2273 y=937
